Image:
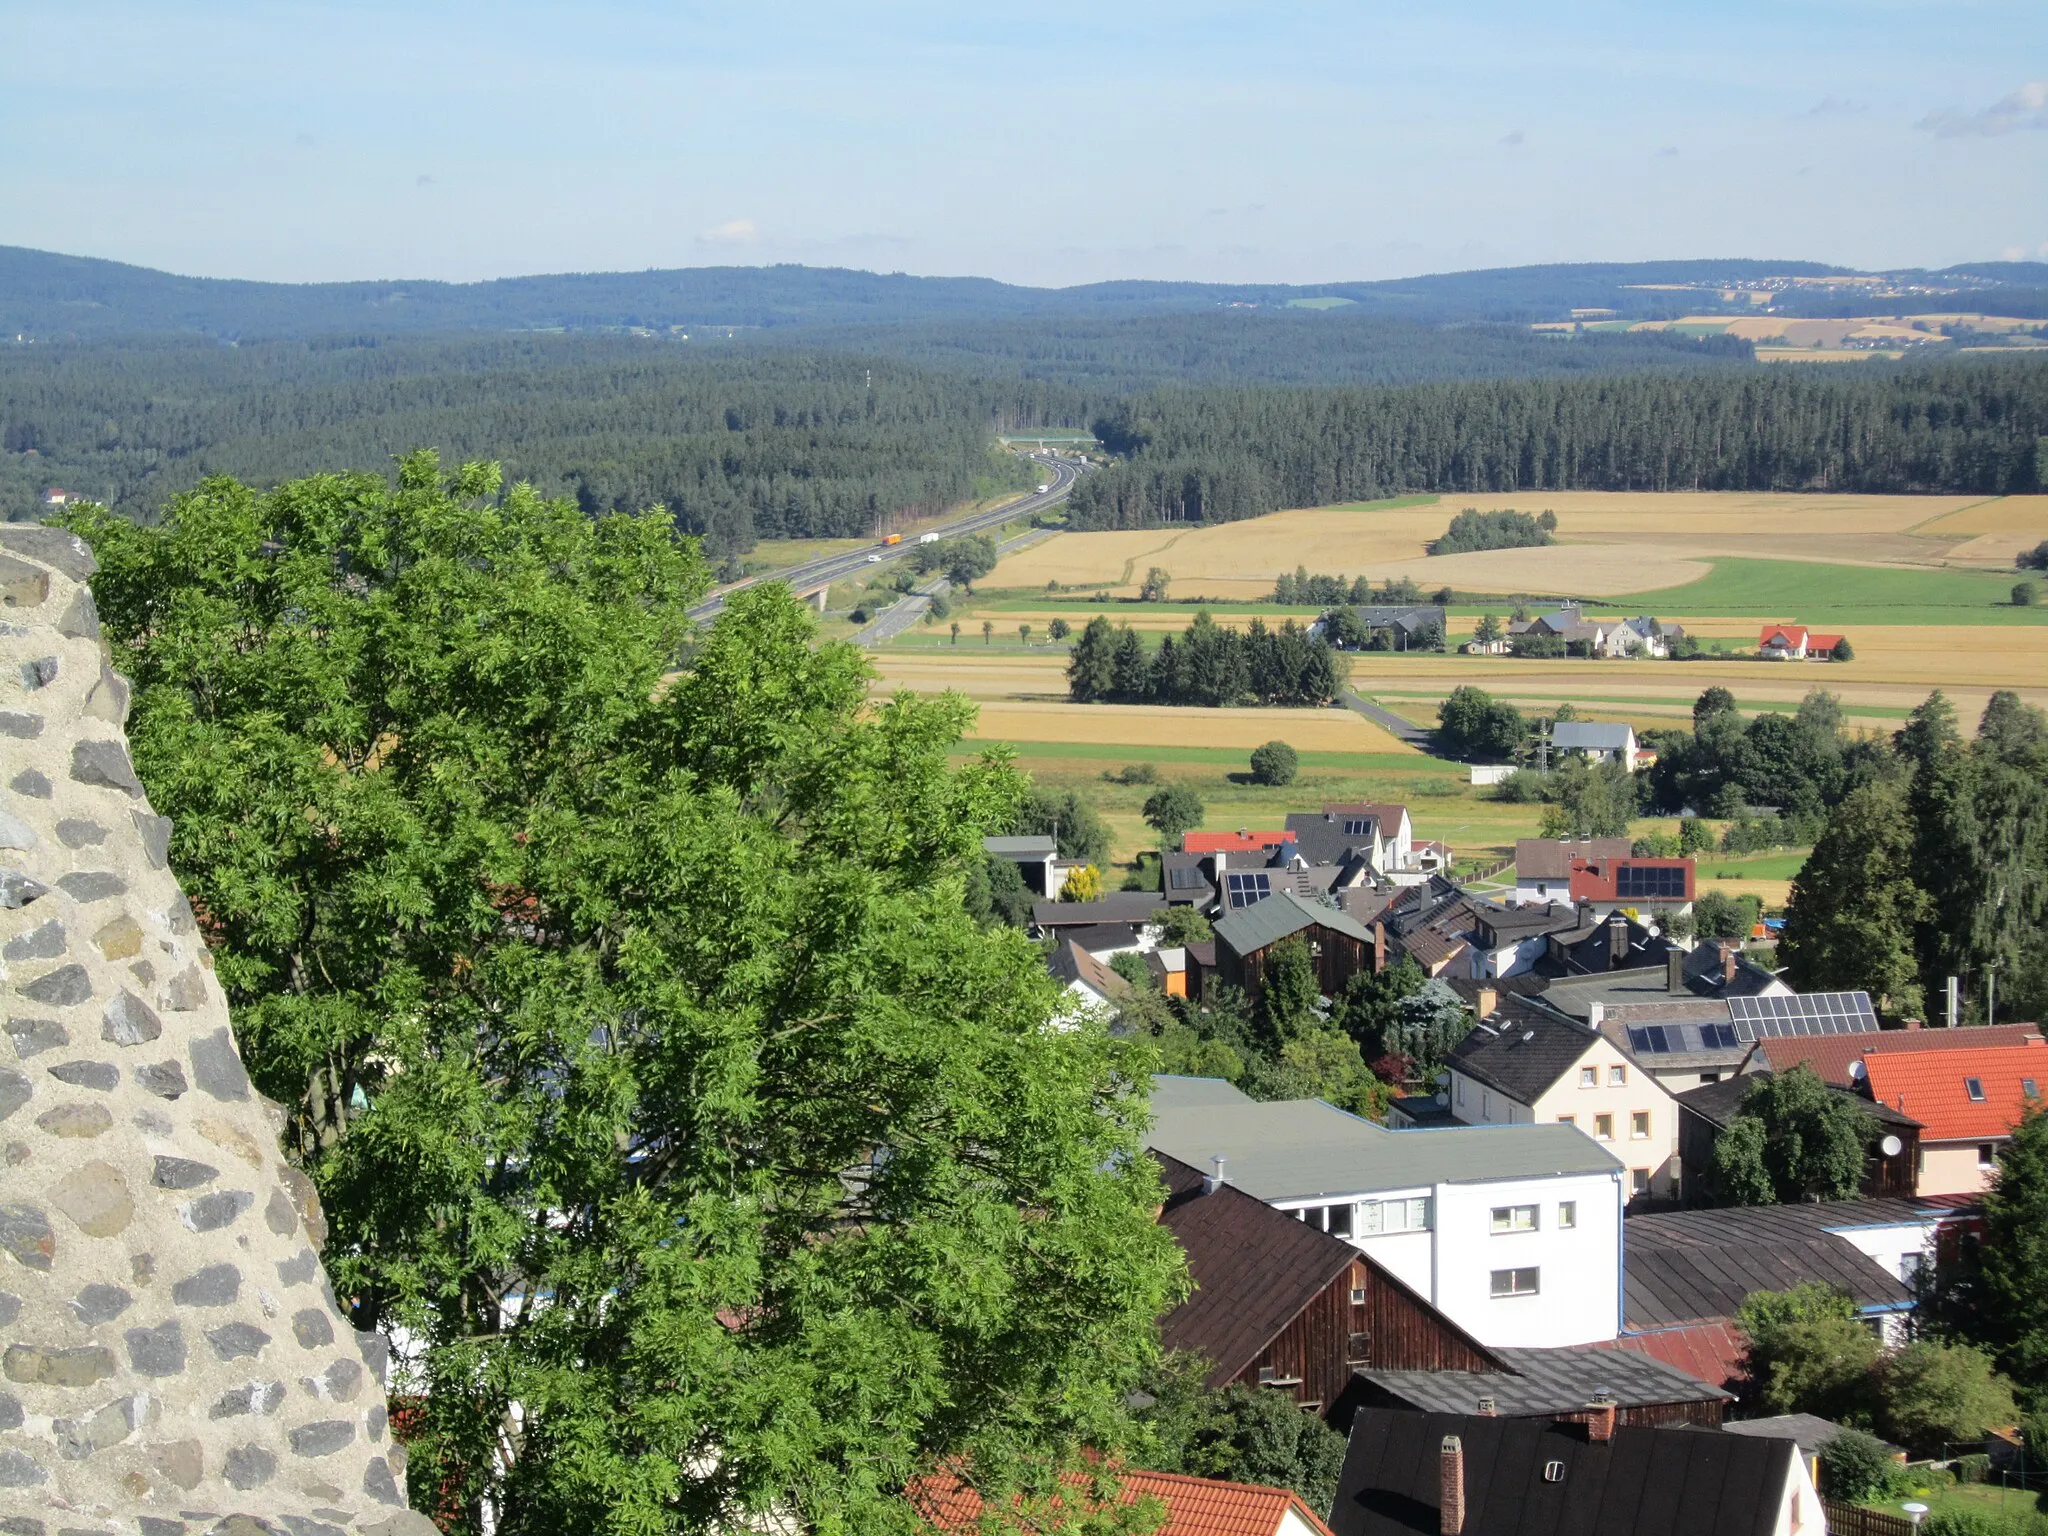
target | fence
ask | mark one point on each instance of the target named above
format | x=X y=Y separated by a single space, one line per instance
x=1854 y=1520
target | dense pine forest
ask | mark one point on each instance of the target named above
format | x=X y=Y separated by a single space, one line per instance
x=1221 y=454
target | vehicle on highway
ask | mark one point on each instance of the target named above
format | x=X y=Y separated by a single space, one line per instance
x=1044 y=488
x=874 y=559
x=927 y=538
x=894 y=538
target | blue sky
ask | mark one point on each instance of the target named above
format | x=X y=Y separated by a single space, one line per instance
x=1059 y=142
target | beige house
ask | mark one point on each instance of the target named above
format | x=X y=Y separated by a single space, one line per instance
x=1524 y=1066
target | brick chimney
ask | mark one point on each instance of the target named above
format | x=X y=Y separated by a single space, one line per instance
x=1674 y=971
x=1600 y=1418
x=1487 y=1408
x=1731 y=957
x=1379 y=947
x=1617 y=941
x=1489 y=999
x=1451 y=1488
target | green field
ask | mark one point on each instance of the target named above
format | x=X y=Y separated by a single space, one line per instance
x=1844 y=595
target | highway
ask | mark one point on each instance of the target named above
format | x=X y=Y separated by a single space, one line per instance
x=1061 y=475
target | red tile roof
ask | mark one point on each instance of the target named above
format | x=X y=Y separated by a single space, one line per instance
x=1712 y=1352
x=1931 y=1086
x=1831 y=1055
x=1596 y=879
x=1195 y=1506
x=1232 y=842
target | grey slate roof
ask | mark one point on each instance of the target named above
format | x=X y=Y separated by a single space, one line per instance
x=1591 y=736
x=1808 y=1431
x=1547 y=1381
x=1643 y=1482
x=1116 y=907
x=1526 y=1057
x=1299 y=1149
x=1252 y=928
x=1020 y=847
x=1696 y=1266
x=1320 y=838
x=1171 y=1092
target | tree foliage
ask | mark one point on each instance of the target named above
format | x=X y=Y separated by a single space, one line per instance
x=1794 y=1139
x=1209 y=664
x=1808 y=1352
x=1275 y=764
x=1993 y=1292
x=652 y=1070
x=1933 y=1394
x=1472 y=530
x=1471 y=722
x=1238 y=1434
x=1172 y=809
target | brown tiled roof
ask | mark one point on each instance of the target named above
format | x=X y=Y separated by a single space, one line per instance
x=1254 y=1269
x=1543 y=858
x=1431 y=949
x=1071 y=963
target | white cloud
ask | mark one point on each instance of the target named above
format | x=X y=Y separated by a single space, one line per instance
x=731 y=232
x=2025 y=108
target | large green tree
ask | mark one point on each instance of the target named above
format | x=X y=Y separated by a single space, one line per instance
x=1808 y=1352
x=1793 y=1139
x=1992 y=1290
x=659 y=1084
x=1854 y=910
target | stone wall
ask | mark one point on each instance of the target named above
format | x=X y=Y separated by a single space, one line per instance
x=173 y=1360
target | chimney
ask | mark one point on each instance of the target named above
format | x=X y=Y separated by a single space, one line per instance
x=1450 y=1519
x=1379 y=947
x=1489 y=999
x=1600 y=1421
x=1487 y=1409
x=1594 y=1014
x=1617 y=941
x=1674 y=971
x=1914 y=1023
x=1211 y=1182
x=1731 y=956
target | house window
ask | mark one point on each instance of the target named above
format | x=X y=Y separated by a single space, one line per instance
x=1514 y=1218
x=1461 y=1090
x=1268 y=1374
x=1638 y=1181
x=1358 y=1295
x=1513 y=1282
x=1617 y=1076
x=1603 y=1127
x=1910 y=1266
x=1485 y=1106
x=1974 y=1087
x=1395 y=1215
x=1589 y=1077
x=1567 y=1119
x=1639 y=1125
x=1340 y=1221
x=1987 y=1155
x=1710 y=1077
x=2027 y=1087
x=1567 y=1214
x=1358 y=1349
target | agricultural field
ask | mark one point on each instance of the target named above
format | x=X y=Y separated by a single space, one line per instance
x=1786 y=339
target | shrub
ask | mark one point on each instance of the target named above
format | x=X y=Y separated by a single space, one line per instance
x=1844 y=651
x=1183 y=925
x=1156 y=581
x=1138 y=773
x=1083 y=884
x=1059 y=629
x=858 y=616
x=1131 y=965
x=2035 y=559
x=1855 y=1467
x=2024 y=594
x=1472 y=529
x=1275 y=763
x=1935 y=1393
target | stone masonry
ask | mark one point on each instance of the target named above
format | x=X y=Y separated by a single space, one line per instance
x=171 y=1356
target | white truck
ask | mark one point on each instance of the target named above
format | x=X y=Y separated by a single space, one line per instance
x=927 y=538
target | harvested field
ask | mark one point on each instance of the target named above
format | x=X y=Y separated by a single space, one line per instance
x=2000 y=514
x=1143 y=725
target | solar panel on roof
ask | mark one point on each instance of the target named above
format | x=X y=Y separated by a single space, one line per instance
x=1649 y=882
x=1243 y=890
x=1187 y=877
x=1815 y=1013
x=1648 y=1039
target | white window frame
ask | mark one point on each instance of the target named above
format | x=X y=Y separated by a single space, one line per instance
x=1567 y=1215
x=1639 y=1117
x=1606 y=1135
x=1617 y=1076
x=1514 y=1218
x=1499 y=1291
x=1589 y=1077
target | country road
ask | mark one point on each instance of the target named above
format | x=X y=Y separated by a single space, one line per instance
x=910 y=609
x=1063 y=473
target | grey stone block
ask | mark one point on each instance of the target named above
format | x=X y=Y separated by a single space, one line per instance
x=312 y=1328
x=156 y=837
x=378 y=1482
x=100 y=1076
x=16 y=833
x=10 y=1411
x=81 y=617
x=34 y=1036
x=374 y=1422
x=217 y=1069
x=98 y=1304
x=20 y=1525
x=10 y=1308
x=300 y=1525
x=76 y=1122
x=34 y=785
x=65 y=987
x=339 y=1383
x=249 y=1466
x=46 y=942
x=25 y=1233
x=222 y=1208
x=94 y=1197
x=18 y=890
x=23 y=727
x=182 y=1173
x=75 y=832
x=154 y=1525
x=104 y=765
x=92 y=885
x=165 y=1079
x=256 y=1397
x=108 y=700
x=158 y=1351
x=14 y=1091
x=19 y=1470
x=322 y=1438
x=128 y=1020
x=237 y=1341
x=217 y=1285
x=56 y=547
x=300 y=1269
x=23 y=585
x=278 y=1214
x=39 y=673
x=106 y=1426
x=181 y=1462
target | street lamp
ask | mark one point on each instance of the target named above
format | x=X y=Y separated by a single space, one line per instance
x=1916 y=1509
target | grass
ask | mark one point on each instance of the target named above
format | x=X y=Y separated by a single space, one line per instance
x=1753 y=866
x=1839 y=597
x=2015 y=1504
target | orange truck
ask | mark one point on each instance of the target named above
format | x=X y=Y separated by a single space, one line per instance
x=894 y=538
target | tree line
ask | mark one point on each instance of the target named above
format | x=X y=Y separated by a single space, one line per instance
x=1218 y=455
x=1208 y=665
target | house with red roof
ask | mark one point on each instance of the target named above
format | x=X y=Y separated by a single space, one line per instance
x=1240 y=841
x=1839 y=1059
x=1192 y=1506
x=1967 y=1103
x=1795 y=642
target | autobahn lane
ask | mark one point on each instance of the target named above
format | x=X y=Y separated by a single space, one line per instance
x=830 y=568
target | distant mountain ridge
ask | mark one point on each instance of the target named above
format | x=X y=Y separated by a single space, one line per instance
x=46 y=296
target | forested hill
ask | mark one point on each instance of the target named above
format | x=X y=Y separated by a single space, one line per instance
x=1218 y=455
x=47 y=297
x=739 y=447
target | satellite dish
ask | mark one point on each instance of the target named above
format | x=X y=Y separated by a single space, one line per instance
x=1443 y=1079
x=1891 y=1146
x=1443 y=1101
x=1858 y=1071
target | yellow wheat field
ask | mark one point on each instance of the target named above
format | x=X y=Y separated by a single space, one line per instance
x=2001 y=514
x=1609 y=542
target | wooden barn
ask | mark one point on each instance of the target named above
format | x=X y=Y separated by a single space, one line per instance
x=1339 y=946
x=1280 y=1305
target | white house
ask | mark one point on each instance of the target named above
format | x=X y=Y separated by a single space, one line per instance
x=1093 y=989
x=1599 y=741
x=1512 y=1231
x=1543 y=866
